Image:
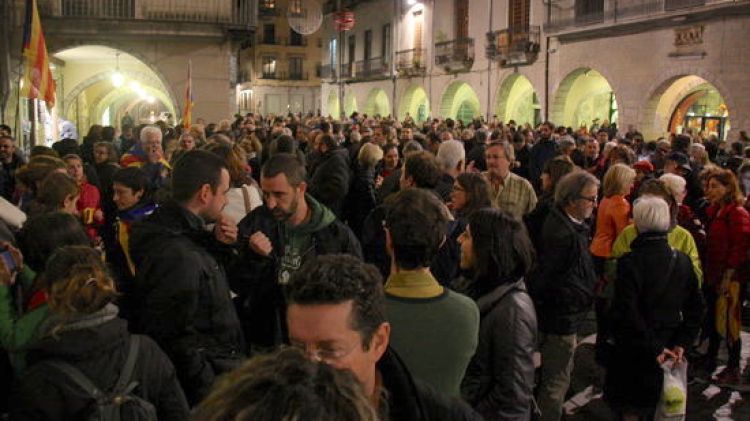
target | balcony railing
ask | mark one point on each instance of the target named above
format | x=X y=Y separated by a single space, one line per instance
x=513 y=47
x=411 y=62
x=347 y=70
x=279 y=75
x=265 y=40
x=617 y=11
x=328 y=72
x=240 y=12
x=371 y=68
x=456 y=55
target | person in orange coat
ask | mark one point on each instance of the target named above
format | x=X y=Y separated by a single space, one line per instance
x=613 y=214
x=89 y=201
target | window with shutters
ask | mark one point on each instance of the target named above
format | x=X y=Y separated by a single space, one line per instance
x=462 y=19
x=368 y=44
x=519 y=15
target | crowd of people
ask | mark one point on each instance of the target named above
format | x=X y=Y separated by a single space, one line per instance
x=289 y=267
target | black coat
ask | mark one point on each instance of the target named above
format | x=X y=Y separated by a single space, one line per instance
x=649 y=313
x=540 y=153
x=476 y=155
x=99 y=352
x=184 y=296
x=409 y=399
x=361 y=199
x=330 y=181
x=255 y=278
x=499 y=381
x=563 y=284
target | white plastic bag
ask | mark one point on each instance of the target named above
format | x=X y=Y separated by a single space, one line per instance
x=672 y=404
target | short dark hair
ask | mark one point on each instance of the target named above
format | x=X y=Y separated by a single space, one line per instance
x=423 y=168
x=193 y=170
x=501 y=245
x=41 y=235
x=416 y=222
x=286 y=385
x=131 y=177
x=337 y=278
x=329 y=141
x=287 y=164
x=478 y=192
x=6 y=128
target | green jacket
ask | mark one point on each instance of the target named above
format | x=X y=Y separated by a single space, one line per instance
x=679 y=238
x=17 y=332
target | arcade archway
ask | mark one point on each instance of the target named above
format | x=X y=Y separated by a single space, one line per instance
x=416 y=103
x=584 y=98
x=517 y=101
x=687 y=103
x=459 y=102
x=333 y=104
x=350 y=103
x=377 y=103
x=103 y=83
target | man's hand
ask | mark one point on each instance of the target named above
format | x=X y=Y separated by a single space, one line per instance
x=665 y=355
x=225 y=230
x=378 y=181
x=260 y=244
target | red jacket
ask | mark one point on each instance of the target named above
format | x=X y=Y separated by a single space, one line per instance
x=90 y=199
x=727 y=240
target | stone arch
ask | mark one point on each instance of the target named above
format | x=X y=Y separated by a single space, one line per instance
x=414 y=99
x=153 y=66
x=350 y=103
x=668 y=91
x=517 y=100
x=581 y=96
x=333 y=108
x=459 y=96
x=377 y=103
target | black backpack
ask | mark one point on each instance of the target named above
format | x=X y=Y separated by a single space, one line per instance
x=118 y=404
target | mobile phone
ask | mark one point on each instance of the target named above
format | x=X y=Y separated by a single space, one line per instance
x=10 y=263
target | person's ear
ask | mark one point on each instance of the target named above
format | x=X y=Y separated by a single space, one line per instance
x=379 y=341
x=138 y=194
x=460 y=166
x=204 y=193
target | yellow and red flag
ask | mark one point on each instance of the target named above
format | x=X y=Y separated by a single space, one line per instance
x=187 y=114
x=38 y=82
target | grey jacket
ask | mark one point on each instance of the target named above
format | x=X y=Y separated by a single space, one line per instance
x=499 y=381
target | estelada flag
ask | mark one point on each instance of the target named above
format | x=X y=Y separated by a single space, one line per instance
x=37 y=79
x=187 y=114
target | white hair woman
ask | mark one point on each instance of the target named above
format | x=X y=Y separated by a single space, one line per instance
x=686 y=218
x=656 y=313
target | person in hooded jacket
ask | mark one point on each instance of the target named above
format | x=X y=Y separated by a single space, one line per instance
x=85 y=332
x=181 y=288
x=275 y=240
x=330 y=180
x=499 y=381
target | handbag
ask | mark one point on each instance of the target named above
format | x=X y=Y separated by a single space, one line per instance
x=672 y=404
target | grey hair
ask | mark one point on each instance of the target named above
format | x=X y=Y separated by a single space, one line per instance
x=510 y=152
x=412 y=146
x=450 y=153
x=675 y=183
x=148 y=130
x=355 y=136
x=570 y=187
x=651 y=214
x=370 y=154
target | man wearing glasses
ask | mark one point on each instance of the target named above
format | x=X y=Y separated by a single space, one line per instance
x=563 y=287
x=336 y=315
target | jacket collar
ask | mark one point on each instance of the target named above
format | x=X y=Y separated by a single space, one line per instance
x=400 y=400
x=489 y=300
x=413 y=284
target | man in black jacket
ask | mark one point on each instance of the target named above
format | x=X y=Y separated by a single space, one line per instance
x=337 y=316
x=180 y=283
x=563 y=287
x=276 y=239
x=330 y=181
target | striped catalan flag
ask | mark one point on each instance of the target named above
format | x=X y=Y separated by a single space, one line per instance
x=187 y=114
x=38 y=82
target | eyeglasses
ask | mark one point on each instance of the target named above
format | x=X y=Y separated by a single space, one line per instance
x=323 y=355
x=589 y=199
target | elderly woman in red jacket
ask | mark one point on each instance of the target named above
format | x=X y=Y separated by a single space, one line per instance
x=727 y=252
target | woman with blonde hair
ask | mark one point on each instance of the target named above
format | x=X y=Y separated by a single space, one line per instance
x=613 y=214
x=85 y=342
